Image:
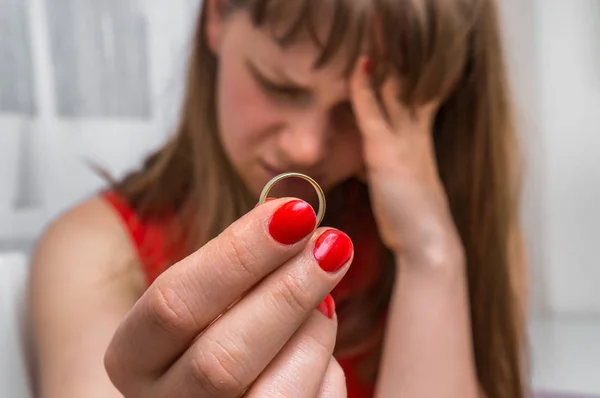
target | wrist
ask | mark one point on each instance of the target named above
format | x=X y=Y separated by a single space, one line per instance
x=442 y=255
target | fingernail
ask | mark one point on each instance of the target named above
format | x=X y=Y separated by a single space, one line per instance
x=367 y=66
x=327 y=307
x=292 y=222
x=332 y=250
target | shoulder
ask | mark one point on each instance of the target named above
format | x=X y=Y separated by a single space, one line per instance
x=84 y=280
x=87 y=243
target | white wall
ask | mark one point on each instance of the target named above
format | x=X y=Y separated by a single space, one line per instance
x=554 y=58
x=569 y=72
x=519 y=19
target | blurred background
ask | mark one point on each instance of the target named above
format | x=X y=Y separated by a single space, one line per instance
x=101 y=80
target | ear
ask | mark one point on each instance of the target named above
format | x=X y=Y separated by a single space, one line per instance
x=215 y=16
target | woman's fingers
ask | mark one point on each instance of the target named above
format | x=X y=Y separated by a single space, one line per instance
x=370 y=117
x=235 y=350
x=390 y=115
x=405 y=119
x=186 y=298
x=298 y=370
x=334 y=382
x=398 y=114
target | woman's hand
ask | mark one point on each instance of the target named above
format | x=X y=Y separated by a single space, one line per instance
x=247 y=314
x=415 y=222
x=409 y=201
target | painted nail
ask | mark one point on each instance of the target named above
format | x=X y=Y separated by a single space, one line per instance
x=327 y=307
x=292 y=222
x=367 y=66
x=332 y=250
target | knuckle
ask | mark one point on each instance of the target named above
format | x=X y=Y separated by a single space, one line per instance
x=169 y=311
x=125 y=381
x=294 y=293
x=374 y=125
x=112 y=365
x=242 y=252
x=336 y=371
x=336 y=378
x=321 y=342
x=218 y=370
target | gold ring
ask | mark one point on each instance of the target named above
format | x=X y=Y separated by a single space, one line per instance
x=316 y=186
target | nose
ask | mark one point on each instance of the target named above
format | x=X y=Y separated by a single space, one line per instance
x=305 y=141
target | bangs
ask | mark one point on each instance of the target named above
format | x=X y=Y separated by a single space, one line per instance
x=425 y=42
x=334 y=27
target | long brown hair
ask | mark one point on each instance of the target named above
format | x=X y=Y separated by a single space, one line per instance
x=443 y=49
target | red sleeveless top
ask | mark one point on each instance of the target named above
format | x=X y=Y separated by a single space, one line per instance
x=155 y=255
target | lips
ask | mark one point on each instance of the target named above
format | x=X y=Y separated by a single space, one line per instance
x=274 y=171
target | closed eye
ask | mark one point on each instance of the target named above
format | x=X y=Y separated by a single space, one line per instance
x=279 y=90
x=274 y=88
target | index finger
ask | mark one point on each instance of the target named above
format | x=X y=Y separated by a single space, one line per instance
x=370 y=116
x=187 y=297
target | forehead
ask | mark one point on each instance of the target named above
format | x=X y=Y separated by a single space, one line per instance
x=297 y=60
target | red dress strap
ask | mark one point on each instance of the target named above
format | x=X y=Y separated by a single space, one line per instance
x=155 y=253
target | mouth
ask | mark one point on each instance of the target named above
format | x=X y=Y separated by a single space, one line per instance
x=273 y=172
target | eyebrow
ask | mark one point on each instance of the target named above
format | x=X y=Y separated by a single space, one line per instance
x=284 y=79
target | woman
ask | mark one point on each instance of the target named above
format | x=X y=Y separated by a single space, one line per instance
x=172 y=283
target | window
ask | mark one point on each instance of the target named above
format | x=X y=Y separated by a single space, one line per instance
x=16 y=71
x=99 y=53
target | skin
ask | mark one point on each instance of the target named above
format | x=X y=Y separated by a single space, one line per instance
x=289 y=116
x=109 y=336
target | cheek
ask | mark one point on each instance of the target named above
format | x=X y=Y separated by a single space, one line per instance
x=243 y=111
x=347 y=159
x=354 y=156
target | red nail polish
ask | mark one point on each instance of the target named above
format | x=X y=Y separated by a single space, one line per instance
x=327 y=307
x=292 y=222
x=367 y=66
x=332 y=250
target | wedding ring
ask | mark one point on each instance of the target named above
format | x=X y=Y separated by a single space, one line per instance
x=316 y=186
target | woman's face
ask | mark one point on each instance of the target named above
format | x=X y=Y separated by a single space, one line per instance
x=277 y=113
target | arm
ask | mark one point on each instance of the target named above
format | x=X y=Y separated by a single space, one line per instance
x=428 y=345
x=84 y=280
x=428 y=348
x=429 y=322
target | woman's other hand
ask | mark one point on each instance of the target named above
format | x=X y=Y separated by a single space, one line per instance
x=409 y=202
